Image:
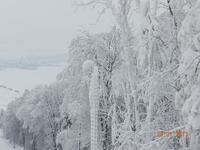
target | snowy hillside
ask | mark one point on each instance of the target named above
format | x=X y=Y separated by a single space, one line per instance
x=6 y=96
x=21 y=79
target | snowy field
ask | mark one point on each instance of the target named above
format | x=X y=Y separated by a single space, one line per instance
x=21 y=79
x=5 y=145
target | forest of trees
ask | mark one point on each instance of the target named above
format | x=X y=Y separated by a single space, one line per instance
x=136 y=87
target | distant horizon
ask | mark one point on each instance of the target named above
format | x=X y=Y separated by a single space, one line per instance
x=12 y=54
x=31 y=62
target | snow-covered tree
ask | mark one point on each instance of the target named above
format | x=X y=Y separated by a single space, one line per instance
x=187 y=98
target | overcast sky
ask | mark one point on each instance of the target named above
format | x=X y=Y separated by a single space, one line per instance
x=42 y=26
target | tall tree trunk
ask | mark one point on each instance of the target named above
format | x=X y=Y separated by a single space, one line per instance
x=54 y=141
x=94 y=108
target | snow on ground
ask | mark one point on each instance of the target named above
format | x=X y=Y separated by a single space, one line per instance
x=5 y=145
x=21 y=79
x=6 y=96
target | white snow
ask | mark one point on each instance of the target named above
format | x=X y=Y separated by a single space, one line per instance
x=21 y=79
x=5 y=145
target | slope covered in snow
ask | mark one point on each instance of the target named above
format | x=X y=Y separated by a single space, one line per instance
x=21 y=79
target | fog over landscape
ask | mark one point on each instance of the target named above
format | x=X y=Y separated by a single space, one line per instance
x=34 y=41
